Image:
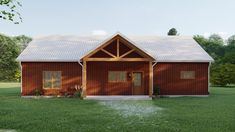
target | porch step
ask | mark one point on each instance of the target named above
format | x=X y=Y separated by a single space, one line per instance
x=114 y=97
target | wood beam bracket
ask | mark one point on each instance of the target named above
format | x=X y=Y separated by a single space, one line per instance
x=108 y=53
x=127 y=53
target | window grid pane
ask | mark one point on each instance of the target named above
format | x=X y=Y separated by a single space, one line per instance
x=117 y=76
x=112 y=76
x=187 y=74
x=52 y=79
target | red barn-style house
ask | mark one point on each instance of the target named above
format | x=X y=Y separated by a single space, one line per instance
x=116 y=65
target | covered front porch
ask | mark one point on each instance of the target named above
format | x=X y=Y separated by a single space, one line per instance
x=117 y=68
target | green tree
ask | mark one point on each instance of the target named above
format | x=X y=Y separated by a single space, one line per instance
x=214 y=45
x=172 y=32
x=230 y=47
x=229 y=58
x=223 y=69
x=9 y=11
x=8 y=65
x=216 y=39
x=22 y=41
x=201 y=40
x=223 y=74
x=231 y=40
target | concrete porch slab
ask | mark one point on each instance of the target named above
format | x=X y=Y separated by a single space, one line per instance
x=114 y=97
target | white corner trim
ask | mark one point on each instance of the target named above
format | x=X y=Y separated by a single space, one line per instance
x=82 y=70
x=21 y=84
x=209 y=76
x=80 y=63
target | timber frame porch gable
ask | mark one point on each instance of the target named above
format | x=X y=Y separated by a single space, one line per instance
x=117 y=49
x=121 y=50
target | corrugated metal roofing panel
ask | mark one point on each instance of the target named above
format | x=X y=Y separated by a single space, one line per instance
x=73 y=48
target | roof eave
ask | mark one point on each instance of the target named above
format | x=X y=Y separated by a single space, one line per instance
x=186 y=61
x=47 y=60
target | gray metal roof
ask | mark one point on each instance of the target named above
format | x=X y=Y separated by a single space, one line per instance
x=73 y=48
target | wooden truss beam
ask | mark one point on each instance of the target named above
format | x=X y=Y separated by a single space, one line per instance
x=108 y=53
x=127 y=53
x=117 y=57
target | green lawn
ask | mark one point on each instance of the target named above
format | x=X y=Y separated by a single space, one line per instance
x=213 y=113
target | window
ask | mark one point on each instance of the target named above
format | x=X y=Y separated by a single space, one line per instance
x=137 y=78
x=187 y=75
x=117 y=76
x=52 y=79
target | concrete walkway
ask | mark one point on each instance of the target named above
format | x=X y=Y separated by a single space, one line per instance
x=132 y=97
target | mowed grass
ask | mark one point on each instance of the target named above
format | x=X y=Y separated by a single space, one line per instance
x=215 y=113
x=9 y=85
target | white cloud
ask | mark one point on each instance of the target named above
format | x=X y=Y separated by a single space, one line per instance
x=99 y=32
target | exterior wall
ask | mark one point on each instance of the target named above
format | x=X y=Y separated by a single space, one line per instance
x=167 y=78
x=97 y=77
x=32 y=76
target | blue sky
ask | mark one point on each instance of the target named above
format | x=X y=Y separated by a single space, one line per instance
x=130 y=17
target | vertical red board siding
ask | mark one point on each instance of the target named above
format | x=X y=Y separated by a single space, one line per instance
x=97 y=77
x=32 y=76
x=167 y=78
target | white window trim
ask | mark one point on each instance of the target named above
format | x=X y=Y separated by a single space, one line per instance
x=191 y=74
x=52 y=87
x=117 y=81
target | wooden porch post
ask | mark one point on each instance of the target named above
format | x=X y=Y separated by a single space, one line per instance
x=84 y=78
x=150 y=79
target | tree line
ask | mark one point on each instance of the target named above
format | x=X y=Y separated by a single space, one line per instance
x=10 y=48
x=222 y=70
